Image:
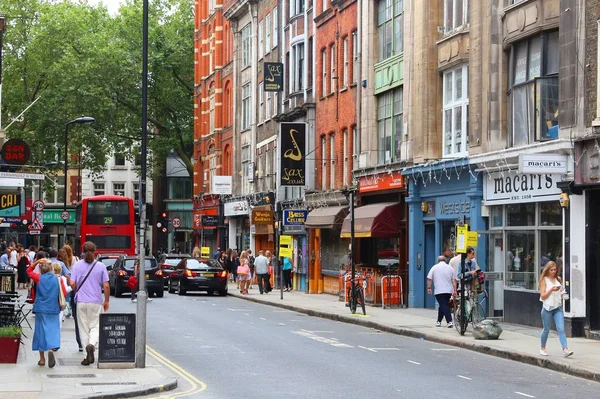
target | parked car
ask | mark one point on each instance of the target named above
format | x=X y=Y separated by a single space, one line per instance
x=123 y=270
x=192 y=274
x=168 y=262
x=109 y=260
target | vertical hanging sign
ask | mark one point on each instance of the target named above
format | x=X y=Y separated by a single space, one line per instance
x=292 y=154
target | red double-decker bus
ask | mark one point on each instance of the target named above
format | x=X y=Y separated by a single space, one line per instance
x=108 y=221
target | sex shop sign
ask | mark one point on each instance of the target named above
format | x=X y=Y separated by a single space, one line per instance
x=292 y=154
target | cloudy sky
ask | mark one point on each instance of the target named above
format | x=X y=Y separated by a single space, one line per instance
x=112 y=5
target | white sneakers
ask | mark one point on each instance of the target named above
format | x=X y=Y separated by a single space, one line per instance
x=438 y=324
x=543 y=352
x=566 y=352
x=450 y=325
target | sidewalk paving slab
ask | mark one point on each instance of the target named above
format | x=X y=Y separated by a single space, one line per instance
x=520 y=343
x=68 y=379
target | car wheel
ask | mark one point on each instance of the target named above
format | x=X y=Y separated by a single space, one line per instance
x=181 y=290
x=171 y=289
x=160 y=293
x=118 y=292
x=223 y=292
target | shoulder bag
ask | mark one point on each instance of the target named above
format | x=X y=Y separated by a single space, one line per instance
x=62 y=302
x=84 y=280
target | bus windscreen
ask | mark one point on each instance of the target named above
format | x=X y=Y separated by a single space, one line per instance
x=107 y=212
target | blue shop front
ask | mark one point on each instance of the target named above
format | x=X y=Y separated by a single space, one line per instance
x=439 y=194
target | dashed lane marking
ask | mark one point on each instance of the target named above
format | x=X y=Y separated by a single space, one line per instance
x=524 y=394
x=413 y=362
x=329 y=341
x=464 y=378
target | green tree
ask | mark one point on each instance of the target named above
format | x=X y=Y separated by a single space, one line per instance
x=82 y=61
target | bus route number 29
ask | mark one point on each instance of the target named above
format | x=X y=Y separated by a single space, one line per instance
x=108 y=219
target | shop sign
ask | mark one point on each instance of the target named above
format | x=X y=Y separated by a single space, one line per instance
x=221 y=185
x=52 y=216
x=293 y=217
x=293 y=160
x=10 y=204
x=236 y=208
x=210 y=221
x=513 y=187
x=380 y=182
x=454 y=207
x=15 y=152
x=542 y=163
x=273 y=73
x=262 y=217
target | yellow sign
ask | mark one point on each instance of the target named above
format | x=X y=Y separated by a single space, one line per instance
x=286 y=252
x=285 y=246
x=285 y=240
x=461 y=239
x=472 y=238
x=205 y=252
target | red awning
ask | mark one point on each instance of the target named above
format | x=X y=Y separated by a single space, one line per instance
x=375 y=220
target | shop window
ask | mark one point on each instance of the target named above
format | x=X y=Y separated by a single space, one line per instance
x=533 y=89
x=550 y=214
x=390 y=28
x=520 y=214
x=455 y=123
x=520 y=260
x=497 y=216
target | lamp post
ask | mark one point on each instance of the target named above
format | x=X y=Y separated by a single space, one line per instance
x=83 y=120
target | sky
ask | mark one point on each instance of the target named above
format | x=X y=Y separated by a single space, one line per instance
x=112 y=5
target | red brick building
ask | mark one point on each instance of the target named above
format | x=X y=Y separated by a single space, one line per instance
x=336 y=79
x=213 y=97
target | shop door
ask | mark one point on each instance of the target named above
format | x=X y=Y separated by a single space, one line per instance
x=494 y=266
x=429 y=261
x=593 y=259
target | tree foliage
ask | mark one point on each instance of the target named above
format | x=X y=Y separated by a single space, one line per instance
x=83 y=61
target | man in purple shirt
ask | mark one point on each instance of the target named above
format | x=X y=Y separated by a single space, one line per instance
x=90 y=300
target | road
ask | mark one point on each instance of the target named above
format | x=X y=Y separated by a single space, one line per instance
x=240 y=349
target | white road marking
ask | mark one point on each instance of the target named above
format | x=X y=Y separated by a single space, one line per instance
x=368 y=349
x=262 y=318
x=324 y=340
x=247 y=314
x=413 y=362
x=282 y=311
x=386 y=349
x=443 y=349
x=524 y=394
x=240 y=310
x=370 y=333
x=281 y=324
x=314 y=332
x=464 y=378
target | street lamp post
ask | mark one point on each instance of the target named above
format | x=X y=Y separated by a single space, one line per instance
x=83 y=120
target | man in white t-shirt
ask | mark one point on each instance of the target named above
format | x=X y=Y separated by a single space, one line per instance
x=442 y=277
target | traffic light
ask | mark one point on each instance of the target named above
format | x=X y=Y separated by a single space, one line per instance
x=163 y=222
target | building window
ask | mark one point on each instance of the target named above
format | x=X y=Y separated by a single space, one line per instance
x=346 y=164
x=56 y=196
x=456 y=15
x=210 y=52
x=275 y=102
x=355 y=71
x=212 y=112
x=212 y=164
x=332 y=66
x=245 y=162
x=324 y=72
x=389 y=125
x=119 y=160
x=533 y=89
x=261 y=43
x=268 y=108
x=323 y=163
x=355 y=141
x=267 y=34
x=99 y=189
x=261 y=102
x=297 y=67
x=345 y=60
x=269 y=169
x=246 y=50
x=524 y=237
x=119 y=189
x=390 y=28
x=325 y=4
x=180 y=187
x=296 y=7
x=136 y=194
x=455 y=122
x=332 y=161
x=275 y=27
x=246 y=106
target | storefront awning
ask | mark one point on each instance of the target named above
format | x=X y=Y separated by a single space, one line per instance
x=326 y=218
x=375 y=220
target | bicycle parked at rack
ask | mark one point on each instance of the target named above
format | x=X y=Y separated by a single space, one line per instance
x=475 y=303
x=356 y=295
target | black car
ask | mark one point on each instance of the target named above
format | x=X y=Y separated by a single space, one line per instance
x=168 y=262
x=123 y=269
x=193 y=274
x=109 y=260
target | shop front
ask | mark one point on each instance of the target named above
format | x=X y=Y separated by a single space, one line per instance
x=525 y=232
x=293 y=224
x=236 y=213
x=328 y=252
x=440 y=195
x=262 y=229
x=206 y=222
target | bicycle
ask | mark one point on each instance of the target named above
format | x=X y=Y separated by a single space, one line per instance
x=356 y=294
x=474 y=305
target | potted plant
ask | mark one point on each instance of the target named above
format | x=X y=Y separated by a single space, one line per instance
x=10 y=339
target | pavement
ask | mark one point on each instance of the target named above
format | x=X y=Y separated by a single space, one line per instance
x=519 y=343
x=68 y=379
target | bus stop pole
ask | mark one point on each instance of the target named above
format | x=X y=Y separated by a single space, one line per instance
x=140 y=347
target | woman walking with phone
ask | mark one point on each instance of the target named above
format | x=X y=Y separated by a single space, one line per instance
x=552 y=294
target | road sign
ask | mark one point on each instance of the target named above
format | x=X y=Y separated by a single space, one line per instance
x=461 y=238
x=26 y=176
x=36 y=225
x=472 y=238
x=176 y=222
x=65 y=215
x=38 y=205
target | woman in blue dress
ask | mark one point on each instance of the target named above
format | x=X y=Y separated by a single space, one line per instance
x=46 y=336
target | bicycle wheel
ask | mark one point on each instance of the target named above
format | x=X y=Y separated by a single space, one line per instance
x=361 y=298
x=457 y=317
x=352 y=299
x=477 y=315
